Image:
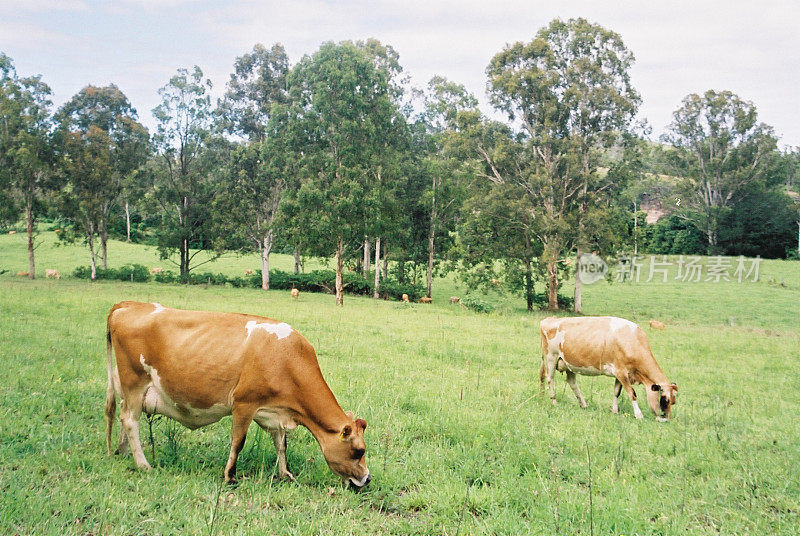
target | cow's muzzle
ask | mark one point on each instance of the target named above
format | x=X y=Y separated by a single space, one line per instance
x=359 y=484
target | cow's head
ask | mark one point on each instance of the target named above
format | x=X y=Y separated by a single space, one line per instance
x=661 y=398
x=345 y=453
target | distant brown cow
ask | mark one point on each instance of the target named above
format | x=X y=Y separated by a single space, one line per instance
x=49 y=272
x=156 y=270
x=655 y=324
x=405 y=298
x=295 y=293
x=12 y=232
x=249 y=271
x=425 y=299
x=455 y=299
x=23 y=274
x=604 y=345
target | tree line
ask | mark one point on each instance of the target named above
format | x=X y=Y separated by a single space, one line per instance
x=337 y=156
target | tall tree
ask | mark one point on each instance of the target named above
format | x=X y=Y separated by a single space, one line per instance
x=341 y=105
x=442 y=101
x=25 y=146
x=103 y=144
x=184 y=186
x=570 y=91
x=721 y=150
x=257 y=82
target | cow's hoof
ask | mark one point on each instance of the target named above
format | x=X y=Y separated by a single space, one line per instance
x=286 y=476
x=662 y=419
x=232 y=482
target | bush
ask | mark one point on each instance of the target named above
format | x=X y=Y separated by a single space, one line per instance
x=395 y=290
x=477 y=304
x=167 y=276
x=128 y=272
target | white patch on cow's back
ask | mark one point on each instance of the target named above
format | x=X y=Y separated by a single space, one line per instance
x=158 y=308
x=281 y=330
x=617 y=324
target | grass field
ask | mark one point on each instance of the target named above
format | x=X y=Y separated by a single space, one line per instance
x=460 y=440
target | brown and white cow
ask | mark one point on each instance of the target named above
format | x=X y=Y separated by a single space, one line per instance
x=197 y=367
x=604 y=345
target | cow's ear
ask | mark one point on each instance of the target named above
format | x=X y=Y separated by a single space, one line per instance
x=362 y=423
x=346 y=431
x=674 y=387
x=655 y=387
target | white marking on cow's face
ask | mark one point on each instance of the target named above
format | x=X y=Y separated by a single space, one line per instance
x=617 y=324
x=281 y=330
x=158 y=308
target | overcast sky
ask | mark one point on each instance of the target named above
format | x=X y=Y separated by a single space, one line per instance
x=681 y=47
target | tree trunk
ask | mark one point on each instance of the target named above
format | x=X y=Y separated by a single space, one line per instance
x=104 y=245
x=385 y=260
x=431 y=239
x=552 y=285
x=366 y=255
x=339 y=267
x=29 y=231
x=528 y=284
x=92 y=262
x=296 y=260
x=577 y=300
x=127 y=221
x=376 y=292
x=265 y=251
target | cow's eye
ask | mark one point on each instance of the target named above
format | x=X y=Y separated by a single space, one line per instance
x=358 y=454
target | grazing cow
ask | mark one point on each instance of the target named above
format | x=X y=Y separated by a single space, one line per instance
x=156 y=270
x=405 y=298
x=425 y=299
x=295 y=293
x=23 y=274
x=655 y=324
x=197 y=367
x=455 y=299
x=249 y=271
x=609 y=346
x=12 y=232
x=49 y=272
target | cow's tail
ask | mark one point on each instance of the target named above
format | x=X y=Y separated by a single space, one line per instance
x=111 y=395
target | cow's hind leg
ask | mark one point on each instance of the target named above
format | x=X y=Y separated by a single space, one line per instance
x=615 y=400
x=279 y=439
x=241 y=422
x=572 y=380
x=129 y=415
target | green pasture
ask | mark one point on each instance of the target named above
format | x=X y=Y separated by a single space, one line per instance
x=460 y=438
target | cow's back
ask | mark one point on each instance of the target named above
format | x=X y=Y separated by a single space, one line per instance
x=593 y=341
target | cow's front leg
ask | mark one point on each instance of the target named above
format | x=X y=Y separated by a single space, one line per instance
x=615 y=400
x=632 y=394
x=279 y=439
x=572 y=380
x=241 y=422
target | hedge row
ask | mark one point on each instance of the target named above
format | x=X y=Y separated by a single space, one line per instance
x=315 y=281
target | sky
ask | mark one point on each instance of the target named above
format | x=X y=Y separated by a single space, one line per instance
x=681 y=47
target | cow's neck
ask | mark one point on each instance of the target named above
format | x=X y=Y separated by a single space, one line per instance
x=318 y=409
x=651 y=375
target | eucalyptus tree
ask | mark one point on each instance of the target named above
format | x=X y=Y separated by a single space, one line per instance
x=569 y=90
x=257 y=83
x=442 y=100
x=341 y=106
x=721 y=150
x=185 y=185
x=103 y=143
x=26 y=155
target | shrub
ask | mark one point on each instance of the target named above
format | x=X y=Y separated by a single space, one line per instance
x=133 y=272
x=167 y=276
x=477 y=304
